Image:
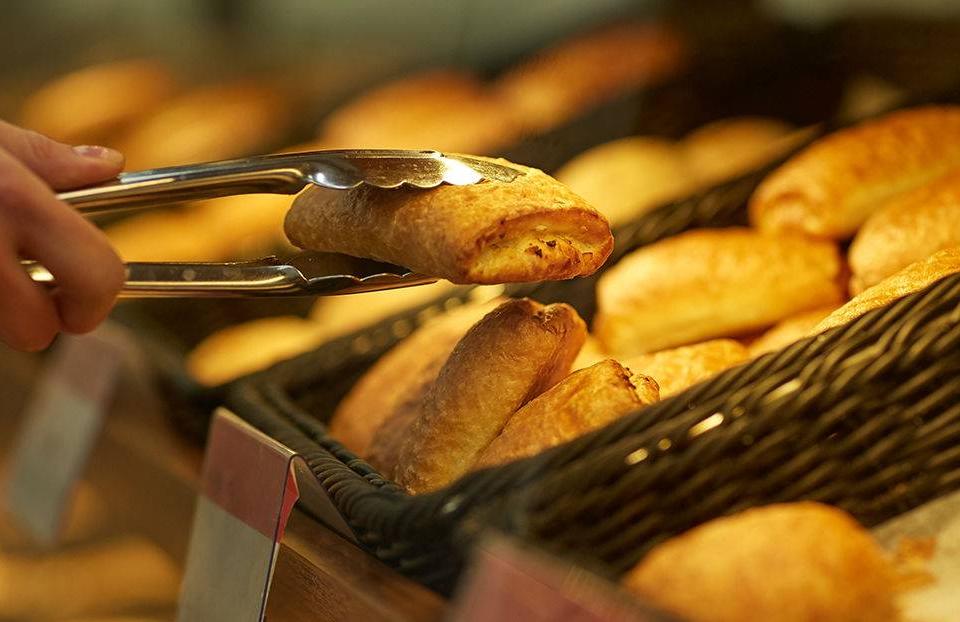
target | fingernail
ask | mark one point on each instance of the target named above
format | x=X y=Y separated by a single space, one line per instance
x=99 y=153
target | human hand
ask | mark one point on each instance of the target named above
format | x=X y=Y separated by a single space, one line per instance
x=35 y=225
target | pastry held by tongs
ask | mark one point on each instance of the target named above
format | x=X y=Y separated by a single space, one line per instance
x=463 y=218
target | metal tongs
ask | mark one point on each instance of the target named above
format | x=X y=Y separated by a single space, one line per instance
x=307 y=273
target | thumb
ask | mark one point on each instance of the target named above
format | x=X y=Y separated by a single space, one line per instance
x=61 y=166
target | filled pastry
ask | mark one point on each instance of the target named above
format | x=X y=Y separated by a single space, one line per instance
x=529 y=229
x=785 y=332
x=678 y=368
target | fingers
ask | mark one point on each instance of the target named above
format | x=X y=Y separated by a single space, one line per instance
x=61 y=166
x=28 y=317
x=38 y=226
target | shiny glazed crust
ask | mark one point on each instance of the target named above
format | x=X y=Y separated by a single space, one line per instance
x=913 y=278
x=711 y=283
x=831 y=188
x=908 y=228
x=510 y=357
x=679 y=368
x=788 y=562
x=530 y=229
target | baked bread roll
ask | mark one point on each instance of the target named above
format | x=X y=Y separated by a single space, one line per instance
x=909 y=228
x=167 y=235
x=788 y=331
x=212 y=123
x=561 y=82
x=245 y=226
x=584 y=401
x=724 y=149
x=93 y=104
x=403 y=371
x=679 y=368
x=830 y=188
x=711 y=283
x=911 y=279
x=249 y=347
x=511 y=356
x=627 y=177
x=530 y=229
x=444 y=110
x=590 y=354
x=798 y=561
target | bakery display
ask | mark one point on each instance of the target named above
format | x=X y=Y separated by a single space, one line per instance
x=678 y=368
x=797 y=561
x=627 y=177
x=830 y=188
x=911 y=279
x=908 y=228
x=571 y=77
x=94 y=104
x=583 y=401
x=210 y=123
x=442 y=109
x=789 y=330
x=529 y=229
x=515 y=353
x=711 y=283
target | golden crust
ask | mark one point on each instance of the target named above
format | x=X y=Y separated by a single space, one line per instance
x=831 y=187
x=585 y=400
x=561 y=82
x=628 y=177
x=94 y=103
x=711 y=283
x=511 y=356
x=211 y=123
x=787 y=331
x=910 y=227
x=679 y=368
x=911 y=279
x=412 y=363
x=788 y=562
x=530 y=229
x=444 y=109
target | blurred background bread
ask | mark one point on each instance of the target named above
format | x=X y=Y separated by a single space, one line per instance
x=679 y=368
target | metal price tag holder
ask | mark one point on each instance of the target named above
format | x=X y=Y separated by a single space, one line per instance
x=509 y=581
x=249 y=485
x=62 y=421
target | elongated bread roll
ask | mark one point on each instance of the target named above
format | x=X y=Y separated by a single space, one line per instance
x=583 y=401
x=408 y=366
x=831 y=188
x=93 y=104
x=514 y=354
x=679 y=368
x=627 y=177
x=443 y=109
x=569 y=78
x=909 y=228
x=788 y=562
x=711 y=283
x=530 y=229
x=911 y=279
x=787 y=331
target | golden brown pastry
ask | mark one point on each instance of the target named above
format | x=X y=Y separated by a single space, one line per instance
x=911 y=279
x=589 y=354
x=711 y=283
x=167 y=235
x=627 y=177
x=94 y=579
x=730 y=147
x=585 y=400
x=245 y=348
x=908 y=228
x=94 y=103
x=411 y=364
x=247 y=225
x=798 y=561
x=787 y=331
x=679 y=368
x=830 y=188
x=211 y=123
x=444 y=110
x=530 y=229
x=573 y=76
x=511 y=356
